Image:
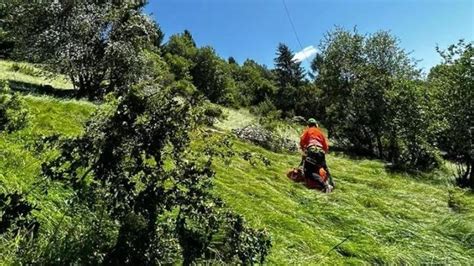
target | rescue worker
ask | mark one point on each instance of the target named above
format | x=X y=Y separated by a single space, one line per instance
x=314 y=147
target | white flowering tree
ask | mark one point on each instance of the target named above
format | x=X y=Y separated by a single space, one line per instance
x=97 y=44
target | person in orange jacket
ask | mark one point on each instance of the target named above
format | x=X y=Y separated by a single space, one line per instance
x=313 y=136
x=314 y=146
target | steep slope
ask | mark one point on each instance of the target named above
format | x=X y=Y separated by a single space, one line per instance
x=373 y=216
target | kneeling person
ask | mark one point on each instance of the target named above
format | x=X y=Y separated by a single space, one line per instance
x=314 y=145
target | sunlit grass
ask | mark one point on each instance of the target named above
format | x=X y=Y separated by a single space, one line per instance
x=387 y=218
x=7 y=73
x=235 y=119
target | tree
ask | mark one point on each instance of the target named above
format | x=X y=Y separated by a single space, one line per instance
x=452 y=82
x=309 y=101
x=97 y=44
x=360 y=77
x=288 y=71
x=6 y=42
x=231 y=60
x=134 y=167
x=212 y=77
x=407 y=135
x=255 y=82
x=290 y=76
x=181 y=44
x=180 y=52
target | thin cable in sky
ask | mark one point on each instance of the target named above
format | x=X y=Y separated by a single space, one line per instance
x=294 y=29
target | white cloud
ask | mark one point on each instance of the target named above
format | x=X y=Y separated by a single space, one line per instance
x=306 y=53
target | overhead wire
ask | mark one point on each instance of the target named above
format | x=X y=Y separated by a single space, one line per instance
x=292 y=24
x=295 y=32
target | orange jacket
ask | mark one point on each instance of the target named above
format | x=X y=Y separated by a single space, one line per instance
x=313 y=136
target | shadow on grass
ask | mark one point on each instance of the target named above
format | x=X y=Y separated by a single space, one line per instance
x=41 y=90
x=352 y=154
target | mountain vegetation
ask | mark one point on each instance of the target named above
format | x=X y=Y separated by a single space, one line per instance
x=117 y=148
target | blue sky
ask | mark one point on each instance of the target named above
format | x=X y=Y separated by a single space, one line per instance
x=253 y=28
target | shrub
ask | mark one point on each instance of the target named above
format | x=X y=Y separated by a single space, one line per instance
x=133 y=167
x=267 y=113
x=407 y=129
x=210 y=113
x=16 y=215
x=13 y=114
x=452 y=83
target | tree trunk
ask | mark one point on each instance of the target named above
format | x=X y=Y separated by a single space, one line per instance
x=469 y=175
x=466 y=177
x=379 y=146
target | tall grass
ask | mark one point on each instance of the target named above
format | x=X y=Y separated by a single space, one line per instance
x=20 y=165
x=373 y=217
x=384 y=217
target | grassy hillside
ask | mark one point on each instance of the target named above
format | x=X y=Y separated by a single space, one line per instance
x=373 y=216
x=383 y=217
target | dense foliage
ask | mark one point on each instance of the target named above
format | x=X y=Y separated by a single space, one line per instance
x=97 y=44
x=255 y=83
x=134 y=166
x=371 y=99
x=452 y=82
x=211 y=76
x=13 y=114
x=6 y=41
x=15 y=215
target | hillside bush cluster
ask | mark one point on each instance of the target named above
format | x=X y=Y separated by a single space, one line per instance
x=134 y=167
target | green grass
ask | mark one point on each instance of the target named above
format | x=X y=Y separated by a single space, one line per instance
x=390 y=218
x=236 y=119
x=385 y=218
x=20 y=165
x=7 y=72
x=47 y=116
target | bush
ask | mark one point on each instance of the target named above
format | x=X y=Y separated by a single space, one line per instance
x=267 y=113
x=134 y=168
x=13 y=114
x=211 y=113
x=452 y=83
x=407 y=129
